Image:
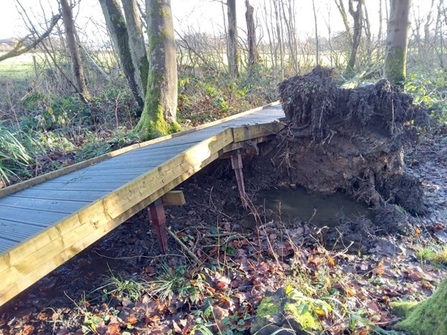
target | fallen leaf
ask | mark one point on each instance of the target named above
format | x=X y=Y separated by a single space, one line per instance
x=331 y=261
x=380 y=269
x=372 y=306
x=413 y=275
x=315 y=261
x=27 y=330
x=113 y=329
x=417 y=232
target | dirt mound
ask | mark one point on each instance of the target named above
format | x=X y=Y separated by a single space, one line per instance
x=345 y=139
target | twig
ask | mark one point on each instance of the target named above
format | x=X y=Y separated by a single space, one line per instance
x=183 y=246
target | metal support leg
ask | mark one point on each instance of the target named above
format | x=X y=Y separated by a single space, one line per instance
x=158 y=218
x=236 y=164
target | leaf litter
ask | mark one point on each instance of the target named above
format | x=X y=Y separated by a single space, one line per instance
x=143 y=292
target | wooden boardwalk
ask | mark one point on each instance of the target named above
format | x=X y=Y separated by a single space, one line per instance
x=47 y=220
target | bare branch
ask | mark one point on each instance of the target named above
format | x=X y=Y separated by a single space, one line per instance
x=22 y=47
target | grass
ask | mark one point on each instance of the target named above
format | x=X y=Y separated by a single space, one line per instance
x=14 y=156
x=119 y=287
x=18 y=67
x=434 y=253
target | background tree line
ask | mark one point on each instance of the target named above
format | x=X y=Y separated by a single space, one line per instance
x=137 y=76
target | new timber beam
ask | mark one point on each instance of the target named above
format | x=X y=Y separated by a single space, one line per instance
x=174 y=198
x=32 y=259
x=25 y=264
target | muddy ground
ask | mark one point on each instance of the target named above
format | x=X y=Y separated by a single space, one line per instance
x=240 y=254
x=131 y=250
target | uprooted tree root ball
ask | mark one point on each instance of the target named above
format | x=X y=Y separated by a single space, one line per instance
x=345 y=139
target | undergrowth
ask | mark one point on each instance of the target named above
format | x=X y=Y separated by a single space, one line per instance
x=429 y=89
x=63 y=130
x=185 y=297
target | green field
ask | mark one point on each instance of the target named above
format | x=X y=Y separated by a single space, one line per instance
x=18 y=67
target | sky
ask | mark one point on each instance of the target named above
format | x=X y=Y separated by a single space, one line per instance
x=197 y=15
x=201 y=15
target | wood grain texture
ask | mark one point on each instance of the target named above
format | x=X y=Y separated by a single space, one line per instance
x=74 y=209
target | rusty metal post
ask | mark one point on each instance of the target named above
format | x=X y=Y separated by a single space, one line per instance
x=158 y=218
x=236 y=164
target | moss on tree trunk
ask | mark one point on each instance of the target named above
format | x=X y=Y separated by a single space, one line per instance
x=153 y=122
x=136 y=42
x=395 y=68
x=159 y=113
x=426 y=318
x=397 y=41
x=116 y=25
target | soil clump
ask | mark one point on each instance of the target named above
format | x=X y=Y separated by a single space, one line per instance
x=349 y=140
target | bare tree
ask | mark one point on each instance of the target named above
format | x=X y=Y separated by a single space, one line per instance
x=117 y=28
x=253 y=54
x=287 y=15
x=78 y=68
x=159 y=113
x=233 y=53
x=136 y=44
x=397 y=41
x=317 y=42
x=28 y=42
x=356 y=36
x=279 y=36
x=341 y=8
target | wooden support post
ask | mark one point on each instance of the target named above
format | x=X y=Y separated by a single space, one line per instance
x=236 y=164
x=158 y=218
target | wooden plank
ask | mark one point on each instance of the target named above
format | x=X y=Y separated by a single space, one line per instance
x=140 y=188
x=40 y=179
x=174 y=198
x=84 y=234
x=249 y=132
x=59 y=206
x=36 y=193
x=83 y=187
x=36 y=255
x=31 y=216
x=111 y=171
x=100 y=178
x=17 y=231
x=34 y=258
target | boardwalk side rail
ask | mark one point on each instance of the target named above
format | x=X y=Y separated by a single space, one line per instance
x=29 y=261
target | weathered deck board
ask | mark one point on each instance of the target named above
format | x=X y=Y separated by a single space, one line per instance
x=15 y=231
x=46 y=221
x=36 y=193
x=32 y=216
x=68 y=206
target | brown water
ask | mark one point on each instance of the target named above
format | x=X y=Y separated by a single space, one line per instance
x=293 y=205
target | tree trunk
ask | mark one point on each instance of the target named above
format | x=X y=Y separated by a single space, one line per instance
x=118 y=32
x=344 y=16
x=317 y=42
x=78 y=69
x=253 y=55
x=136 y=43
x=397 y=41
x=288 y=17
x=426 y=317
x=279 y=36
x=356 y=36
x=233 y=55
x=159 y=113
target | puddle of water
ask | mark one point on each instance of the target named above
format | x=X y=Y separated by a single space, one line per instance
x=296 y=205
